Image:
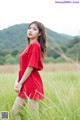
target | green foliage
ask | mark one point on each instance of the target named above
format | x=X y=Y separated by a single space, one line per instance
x=14 y=53
x=74 y=41
x=51 y=53
x=62 y=96
x=2 y=60
x=60 y=60
x=9 y=59
x=13 y=40
x=49 y=60
x=74 y=51
x=4 y=52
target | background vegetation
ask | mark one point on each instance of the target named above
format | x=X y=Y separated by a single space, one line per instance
x=62 y=92
x=61 y=80
x=61 y=47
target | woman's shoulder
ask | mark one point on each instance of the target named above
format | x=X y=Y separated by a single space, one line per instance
x=35 y=45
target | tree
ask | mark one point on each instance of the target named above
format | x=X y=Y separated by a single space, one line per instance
x=15 y=52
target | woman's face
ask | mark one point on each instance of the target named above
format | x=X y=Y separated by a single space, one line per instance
x=33 y=31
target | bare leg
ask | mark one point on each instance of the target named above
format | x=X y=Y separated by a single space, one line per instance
x=18 y=104
x=34 y=109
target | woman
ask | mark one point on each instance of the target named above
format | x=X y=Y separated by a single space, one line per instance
x=29 y=83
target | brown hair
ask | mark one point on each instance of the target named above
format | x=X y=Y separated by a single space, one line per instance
x=41 y=38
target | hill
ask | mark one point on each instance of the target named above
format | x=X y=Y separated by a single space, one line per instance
x=15 y=37
x=13 y=40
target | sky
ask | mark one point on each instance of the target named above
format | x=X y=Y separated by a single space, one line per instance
x=61 y=16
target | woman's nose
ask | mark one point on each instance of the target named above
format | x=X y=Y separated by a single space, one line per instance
x=30 y=30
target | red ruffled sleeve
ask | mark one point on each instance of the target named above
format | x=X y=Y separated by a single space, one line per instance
x=34 y=56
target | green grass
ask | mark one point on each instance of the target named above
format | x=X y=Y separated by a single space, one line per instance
x=62 y=95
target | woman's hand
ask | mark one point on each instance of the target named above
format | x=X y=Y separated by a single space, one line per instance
x=17 y=87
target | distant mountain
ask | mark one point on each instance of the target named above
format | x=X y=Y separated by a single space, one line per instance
x=15 y=37
x=69 y=37
x=13 y=40
x=54 y=36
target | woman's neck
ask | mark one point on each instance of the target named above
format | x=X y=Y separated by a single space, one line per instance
x=33 y=40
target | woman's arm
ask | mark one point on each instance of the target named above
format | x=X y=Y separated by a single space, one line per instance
x=25 y=76
x=15 y=84
x=16 y=81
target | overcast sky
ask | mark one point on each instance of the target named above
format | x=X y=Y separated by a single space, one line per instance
x=59 y=17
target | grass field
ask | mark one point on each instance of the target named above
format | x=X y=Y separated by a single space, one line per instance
x=62 y=92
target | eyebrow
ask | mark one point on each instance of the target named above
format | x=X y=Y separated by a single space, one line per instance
x=33 y=27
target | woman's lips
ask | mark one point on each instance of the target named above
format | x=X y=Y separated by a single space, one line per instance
x=30 y=34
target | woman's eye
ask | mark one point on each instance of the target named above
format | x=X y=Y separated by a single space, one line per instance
x=29 y=28
x=34 y=29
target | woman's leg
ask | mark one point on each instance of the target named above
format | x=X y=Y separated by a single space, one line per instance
x=34 y=109
x=18 y=104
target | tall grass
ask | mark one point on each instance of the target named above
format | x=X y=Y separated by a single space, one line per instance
x=62 y=95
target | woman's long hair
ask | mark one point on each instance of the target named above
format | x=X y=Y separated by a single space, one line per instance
x=41 y=38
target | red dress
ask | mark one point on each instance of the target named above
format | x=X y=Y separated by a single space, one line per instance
x=33 y=86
